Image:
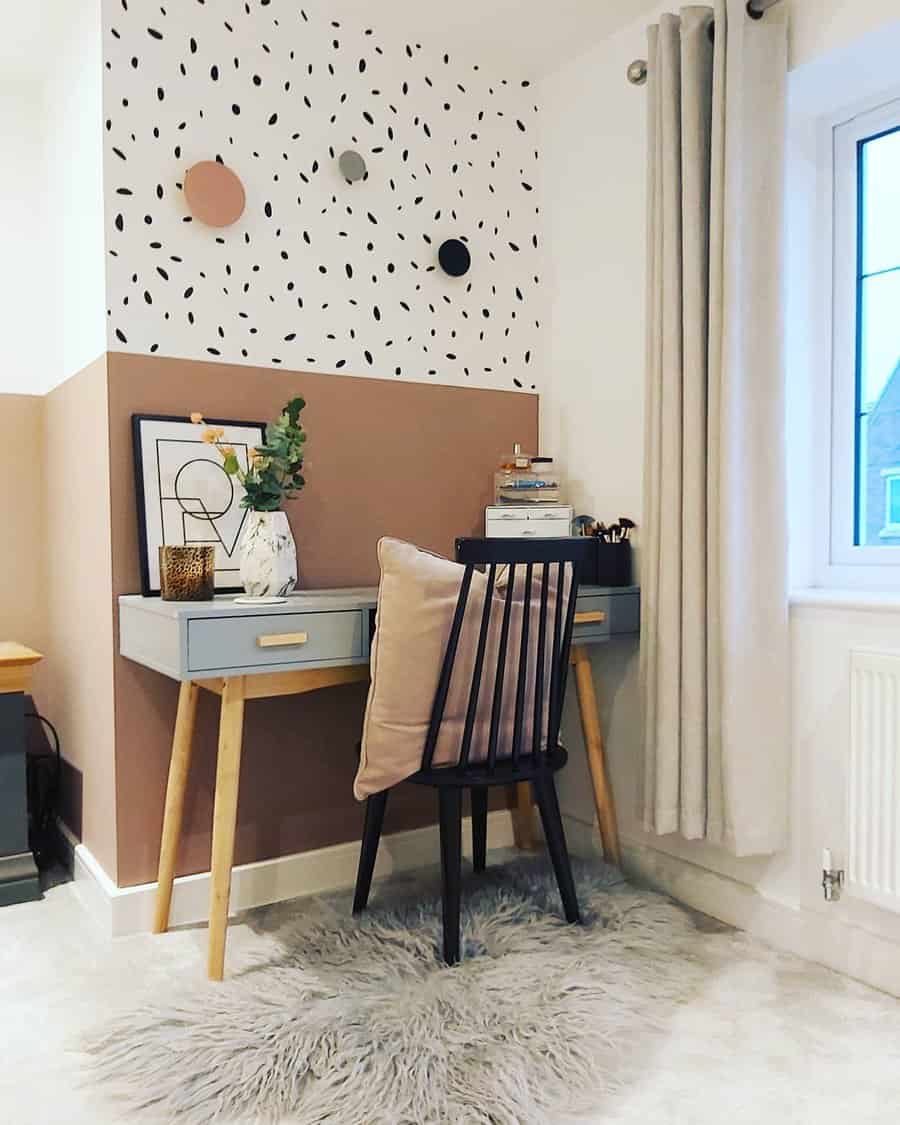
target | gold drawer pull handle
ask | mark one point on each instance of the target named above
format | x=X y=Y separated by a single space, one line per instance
x=589 y=617
x=273 y=640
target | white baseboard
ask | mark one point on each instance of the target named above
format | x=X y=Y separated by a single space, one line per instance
x=129 y=910
x=812 y=934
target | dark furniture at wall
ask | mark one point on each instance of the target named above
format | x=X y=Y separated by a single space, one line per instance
x=18 y=871
x=535 y=569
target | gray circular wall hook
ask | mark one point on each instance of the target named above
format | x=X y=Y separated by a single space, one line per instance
x=352 y=165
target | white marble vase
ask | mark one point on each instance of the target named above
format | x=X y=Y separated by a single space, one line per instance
x=268 y=555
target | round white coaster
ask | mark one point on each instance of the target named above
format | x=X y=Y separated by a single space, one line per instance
x=272 y=599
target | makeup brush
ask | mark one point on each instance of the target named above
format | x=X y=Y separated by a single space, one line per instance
x=583 y=525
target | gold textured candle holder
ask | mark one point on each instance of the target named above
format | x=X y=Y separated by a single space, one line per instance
x=187 y=574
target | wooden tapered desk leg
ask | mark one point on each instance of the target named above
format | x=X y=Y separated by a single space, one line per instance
x=228 y=768
x=179 y=766
x=593 y=741
x=523 y=818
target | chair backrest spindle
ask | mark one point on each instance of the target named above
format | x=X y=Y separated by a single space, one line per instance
x=563 y=661
x=523 y=663
x=538 y=728
x=440 y=696
x=497 y=706
x=556 y=670
x=475 y=689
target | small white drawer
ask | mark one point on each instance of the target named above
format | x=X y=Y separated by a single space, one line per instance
x=272 y=639
x=515 y=529
x=542 y=523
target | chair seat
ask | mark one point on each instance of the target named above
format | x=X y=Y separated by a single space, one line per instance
x=505 y=771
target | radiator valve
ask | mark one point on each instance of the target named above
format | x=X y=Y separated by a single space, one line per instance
x=832 y=877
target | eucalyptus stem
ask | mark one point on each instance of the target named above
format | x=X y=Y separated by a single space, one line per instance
x=273 y=470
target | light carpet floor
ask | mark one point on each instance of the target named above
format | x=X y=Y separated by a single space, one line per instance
x=766 y=1038
x=358 y=1021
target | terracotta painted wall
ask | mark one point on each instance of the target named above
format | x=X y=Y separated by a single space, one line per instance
x=385 y=458
x=79 y=640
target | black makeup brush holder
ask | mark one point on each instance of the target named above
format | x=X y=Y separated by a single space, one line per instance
x=609 y=564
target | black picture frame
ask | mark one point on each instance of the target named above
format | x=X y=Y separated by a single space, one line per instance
x=148 y=589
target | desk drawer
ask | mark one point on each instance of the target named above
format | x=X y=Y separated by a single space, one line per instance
x=273 y=639
x=596 y=618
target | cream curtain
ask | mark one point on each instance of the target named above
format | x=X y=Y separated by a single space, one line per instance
x=714 y=634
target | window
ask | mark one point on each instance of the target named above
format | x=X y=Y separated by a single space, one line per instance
x=865 y=513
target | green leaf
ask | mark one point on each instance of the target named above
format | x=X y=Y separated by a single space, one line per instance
x=293 y=409
x=276 y=475
x=230 y=465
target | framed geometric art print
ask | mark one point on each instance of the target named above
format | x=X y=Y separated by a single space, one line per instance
x=184 y=496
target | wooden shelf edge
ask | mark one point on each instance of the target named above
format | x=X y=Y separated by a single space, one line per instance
x=14 y=655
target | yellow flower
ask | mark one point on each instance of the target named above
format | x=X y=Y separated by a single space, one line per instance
x=211 y=435
x=197 y=418
x=226 y=450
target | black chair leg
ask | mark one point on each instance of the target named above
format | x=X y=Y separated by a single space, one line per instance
x=479 y=826
x=545 y=795
x=450 y=799
x=375 y=806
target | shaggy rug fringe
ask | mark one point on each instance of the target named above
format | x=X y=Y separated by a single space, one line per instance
x=357 y=1022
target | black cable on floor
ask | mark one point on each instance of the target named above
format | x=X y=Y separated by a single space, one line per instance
x=43 y=797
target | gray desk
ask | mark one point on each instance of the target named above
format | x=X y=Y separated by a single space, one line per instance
x=317 y=639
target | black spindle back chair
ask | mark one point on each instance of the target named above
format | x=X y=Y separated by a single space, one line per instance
x=543 y=574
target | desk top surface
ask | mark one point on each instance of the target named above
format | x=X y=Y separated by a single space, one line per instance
x=302 y=601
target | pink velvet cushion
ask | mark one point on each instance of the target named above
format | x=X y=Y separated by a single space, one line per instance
x=417 y=597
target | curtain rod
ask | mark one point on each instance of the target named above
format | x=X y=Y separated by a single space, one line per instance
x=756 y=9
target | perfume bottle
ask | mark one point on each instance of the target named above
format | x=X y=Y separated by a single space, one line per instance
x=525 y=479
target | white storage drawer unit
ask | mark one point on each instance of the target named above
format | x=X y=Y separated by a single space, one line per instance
x=512 y=522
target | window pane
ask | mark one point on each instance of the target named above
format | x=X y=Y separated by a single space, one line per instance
x=880 y=210
x=893 y=504
x=880 y=343
x=878 y=424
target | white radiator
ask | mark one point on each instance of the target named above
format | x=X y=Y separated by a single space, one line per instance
x=874 y=820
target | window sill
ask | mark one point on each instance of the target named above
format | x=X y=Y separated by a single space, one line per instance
x=872 y=601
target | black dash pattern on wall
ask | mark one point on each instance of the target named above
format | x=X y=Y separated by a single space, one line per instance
x=324 y=270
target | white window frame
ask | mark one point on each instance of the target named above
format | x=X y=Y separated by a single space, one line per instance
x=877 y=566
x=890 y=477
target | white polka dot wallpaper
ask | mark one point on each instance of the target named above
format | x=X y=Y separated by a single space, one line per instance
x=319 y=272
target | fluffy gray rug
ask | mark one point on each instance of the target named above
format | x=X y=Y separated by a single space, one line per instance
x=356 y=1022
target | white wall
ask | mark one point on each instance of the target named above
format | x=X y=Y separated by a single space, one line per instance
x=593 y=161
x=819 y=27
x=26 y=281
x=319 y=274
x=52 y=291
x=74 y=99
